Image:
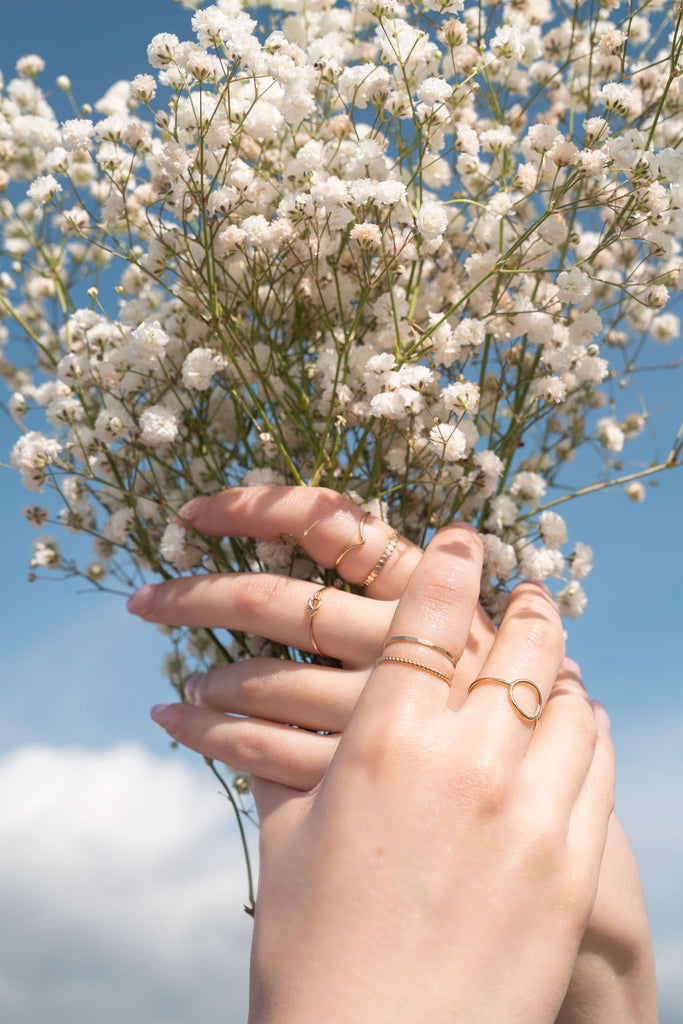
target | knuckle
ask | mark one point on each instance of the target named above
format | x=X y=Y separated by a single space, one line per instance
x=543 y=637
x=248 y=748
x=483 y=784
x=249 y=686
x=537 y=620
x=579 y=720
x=443 y=587
x=257 y=591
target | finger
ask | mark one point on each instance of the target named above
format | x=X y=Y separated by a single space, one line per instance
x=566 y=736
x=290 y=692
x=595 y=802
x=342 y=626
x=325 y=524
x=292 y=757
x=438 y=606
x=278 y=808
x=529 y=646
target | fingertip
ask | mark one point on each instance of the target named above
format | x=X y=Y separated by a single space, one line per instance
x=142 y=601
x=191 y=510
x=601 y=716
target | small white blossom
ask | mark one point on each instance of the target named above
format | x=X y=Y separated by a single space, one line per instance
x=537 y=564
x=610 y=433
x=449 y=442
x=551 y=389
x=499 y=558
x=159 y=425
x=42 y=189
x=199 y=368
x=580 y=561
x=571 y=601
x=635 y=491
x=432 y=219
x=45 y=554
x=77 y=135
x=143 y=88
x=31 y=455
x=573 y=285
x=553 y=529
x=528 y=487
x=178 y=550
x=119 y=526
x=462 y=396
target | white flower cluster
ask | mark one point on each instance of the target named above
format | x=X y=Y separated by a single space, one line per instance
x=342 y=262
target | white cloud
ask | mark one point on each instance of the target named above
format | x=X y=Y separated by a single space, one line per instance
x=122 y=885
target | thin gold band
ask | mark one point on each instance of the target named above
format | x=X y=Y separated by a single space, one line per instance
x=357 y=543
x=383 y=559
x=313 y=605
x=519 y=711
x=422 y=643
x=416 y=664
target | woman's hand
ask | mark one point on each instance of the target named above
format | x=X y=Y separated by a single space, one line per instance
x=614 y=967
x=445 y=867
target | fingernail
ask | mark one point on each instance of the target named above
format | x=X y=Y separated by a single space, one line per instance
x=157 y=713
x=600 y=713
x=190 y=511
x=191 y=688
x=142 y=601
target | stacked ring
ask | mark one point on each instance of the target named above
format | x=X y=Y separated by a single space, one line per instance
x=379 y=565
x=357 y=543
x=416 y=664
x=421 y=643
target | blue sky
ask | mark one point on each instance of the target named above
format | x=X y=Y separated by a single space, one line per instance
x=79 y=676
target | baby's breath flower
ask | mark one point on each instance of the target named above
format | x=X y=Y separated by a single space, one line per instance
x=30 y=66
x=573 y=285
x=42 y=189
x=572 y=600
x=449 y=442
x=77 y=135
x=635 y=491
x=159 y=425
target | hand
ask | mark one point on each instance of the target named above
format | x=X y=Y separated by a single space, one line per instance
x=445 y=867
x=615 y=963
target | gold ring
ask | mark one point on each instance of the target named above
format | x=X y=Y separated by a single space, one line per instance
x=313 y=605
x=422 y=643
x=416 y=664
x=383 y=559
x=356 y=543
x=297 y=541
x=519 y=711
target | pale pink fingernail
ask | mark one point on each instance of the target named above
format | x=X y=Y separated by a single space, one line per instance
x=157 y=713
x=191 y=688
x=191 y=510
x=600 y=713
x=142 y=601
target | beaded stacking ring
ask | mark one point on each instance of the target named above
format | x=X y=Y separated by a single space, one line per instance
x=519 y=711
x=416 y=664
x=357 y=543
x=312 y=606
x=383 y=559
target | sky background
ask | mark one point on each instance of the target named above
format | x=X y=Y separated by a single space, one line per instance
x=121 y=883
